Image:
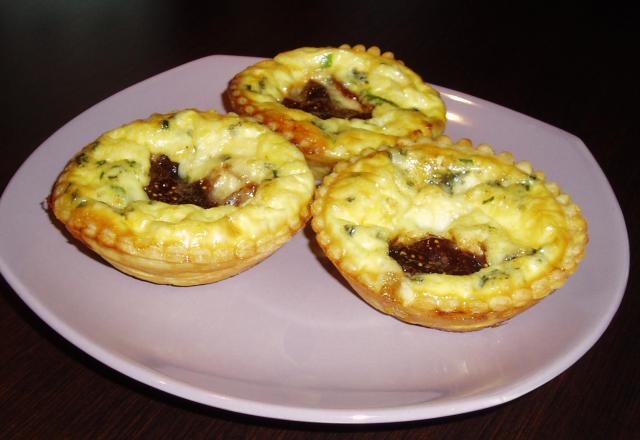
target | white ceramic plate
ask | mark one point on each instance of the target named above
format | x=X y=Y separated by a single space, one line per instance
x=288 y=339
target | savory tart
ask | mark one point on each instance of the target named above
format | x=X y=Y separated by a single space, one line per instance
x=446 y=235
x=335 y=102
x=185 y=198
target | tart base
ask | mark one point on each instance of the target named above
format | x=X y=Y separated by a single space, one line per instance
x=183 y=273
x=458 y=321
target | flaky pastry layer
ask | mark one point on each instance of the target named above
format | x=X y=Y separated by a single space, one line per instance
x=528 y=235
x=101 y=199
x=401 y=103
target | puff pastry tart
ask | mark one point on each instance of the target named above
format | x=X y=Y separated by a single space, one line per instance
x=334 y=102
x=185 y=198
x=446 y=235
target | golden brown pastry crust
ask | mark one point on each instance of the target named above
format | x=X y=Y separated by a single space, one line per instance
x=100 y=197
x=531 y=234
x=402 y=104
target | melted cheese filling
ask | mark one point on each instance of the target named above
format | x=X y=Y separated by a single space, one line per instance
x=106 y=181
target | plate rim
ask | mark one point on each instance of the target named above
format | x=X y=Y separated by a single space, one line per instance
x=401 y=413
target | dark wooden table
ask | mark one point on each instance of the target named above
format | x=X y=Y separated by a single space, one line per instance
x=570 y=68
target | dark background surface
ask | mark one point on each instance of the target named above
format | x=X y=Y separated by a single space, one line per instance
x=571 y=68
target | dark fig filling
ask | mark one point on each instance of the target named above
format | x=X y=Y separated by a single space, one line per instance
x=315 y=99
x=166 y=185
x=436 y=255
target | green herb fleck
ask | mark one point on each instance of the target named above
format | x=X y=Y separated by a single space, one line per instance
x=118 y=189
x=327 y=60
x=466 y=161
x=275 y=173
x=101 y=162
x=113 y=173
x=164 y=124
x=495 y=274
x=378 y=100
x=521 y=253
x=447 y=180
x=350 y=229
x=350 y=199
x=81 y=159
x=360 y=76
x=490 y=199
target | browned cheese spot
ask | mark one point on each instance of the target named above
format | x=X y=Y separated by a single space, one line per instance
x=242 y=195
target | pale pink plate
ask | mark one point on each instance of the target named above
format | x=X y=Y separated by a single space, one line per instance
x=288 y=339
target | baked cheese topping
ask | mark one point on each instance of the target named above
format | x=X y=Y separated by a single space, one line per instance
x=374 y=99
x=527 y=235
x=105 y=194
